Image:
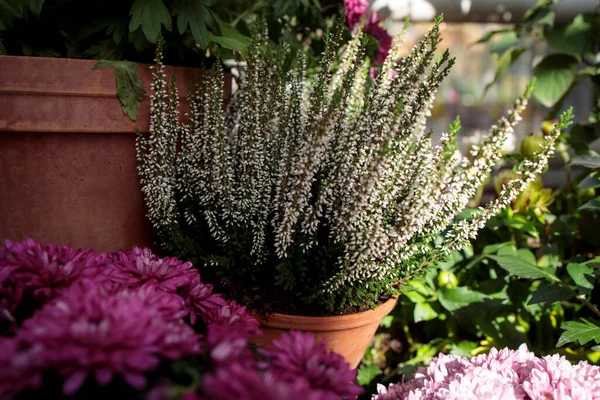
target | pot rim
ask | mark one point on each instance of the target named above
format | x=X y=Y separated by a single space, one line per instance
x=327 y=323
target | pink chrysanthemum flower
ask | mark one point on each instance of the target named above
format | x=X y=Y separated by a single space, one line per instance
x=87 y=332
x=236 y=316
x=45 y=270
x=200 y=299
x=297 y=354
x=138 y=266
x=502 y=375
x=237 y=382
x=18 y=371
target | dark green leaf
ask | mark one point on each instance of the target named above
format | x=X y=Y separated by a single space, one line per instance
x=572 y=38
x=150 y=15
x=118 y=29
x=285 y=7
x=366 y=374
x=9 y=11
x=592 y=181
x=588 y=161
x=424 y=312
x=581 y=332
x=104 y=50
x=554 y=76
x=2 y=49
x=593 y=204
x=36 y=6
x=550 y=293
x=195 y=14
x=236 y=41
x=518 y=266
x=138 y=39
x=129 y=87
x=386 y=322
x=538 y=14
x=582 y=275
x=504 y=62
x=453 y=299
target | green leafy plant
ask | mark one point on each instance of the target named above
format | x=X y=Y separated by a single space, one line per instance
x=318 y=192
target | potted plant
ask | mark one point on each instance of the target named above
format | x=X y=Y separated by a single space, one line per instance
x=314 y=201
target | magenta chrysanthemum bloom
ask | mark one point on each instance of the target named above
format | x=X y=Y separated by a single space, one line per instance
x=200 y=300
x=171 y=305
x=356 y=10
x=46 y=270
x=138 y=266
x=18 y=371
x=225 y=344
x=503 y=375
x=87 y=332
x=297 y=354
x=237 y=382
x=236 y=316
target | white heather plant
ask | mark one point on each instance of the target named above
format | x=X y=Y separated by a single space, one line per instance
x=326 y=192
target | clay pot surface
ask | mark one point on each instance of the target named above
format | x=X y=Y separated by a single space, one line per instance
x=347 y=335
x=68 y=169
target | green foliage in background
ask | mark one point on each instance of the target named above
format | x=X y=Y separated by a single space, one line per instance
x=532 y=274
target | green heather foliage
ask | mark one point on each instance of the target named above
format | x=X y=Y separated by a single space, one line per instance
x=326 y=190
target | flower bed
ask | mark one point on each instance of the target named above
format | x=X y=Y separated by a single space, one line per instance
x=505 y=374
x=91 y=325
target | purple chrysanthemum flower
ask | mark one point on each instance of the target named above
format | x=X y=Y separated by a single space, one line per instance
x=236 y=316
x=297 y=354
x=200 y=299
x=226 y=344
x=44 y=270
x=356 y=10
x=171 y=305
x=87 y=332
x=237 y=382
x=18 y=371
x=138 y=266
x=503 y=375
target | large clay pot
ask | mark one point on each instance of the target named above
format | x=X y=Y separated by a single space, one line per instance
x=347 y=335
x=68 y=169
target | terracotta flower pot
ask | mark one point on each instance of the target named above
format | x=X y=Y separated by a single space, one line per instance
x=347 y=335
x=68 y=171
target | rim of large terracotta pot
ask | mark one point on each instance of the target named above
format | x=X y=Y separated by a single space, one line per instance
x=328 y=323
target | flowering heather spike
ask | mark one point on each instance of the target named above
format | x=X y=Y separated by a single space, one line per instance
x=297 y=173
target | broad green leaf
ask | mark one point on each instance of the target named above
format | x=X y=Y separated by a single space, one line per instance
x=453 y=299
x=228 y=42
x=554 y=76
x=488 y=35
x=571 y=38
x=592 y=181
x=581 y=332
x=593 y=204
x=9 y=11
x=366 y=374
x=138 y=40
x=118 y=29
x=150 y=15
x=196 y=15
x=539 y=13
x=415 y=297
x=504 y=62
x=581 y=275
x=104 y=50
x=550 y=294
x=503 y=42
x=237 y=40
x=588 y=161
x=386 y=322
x=463 y=349
x=424 y=312
x=527 y=256
x=2 y=49
x=494 y=248
x=517 y=266
x=129 y=86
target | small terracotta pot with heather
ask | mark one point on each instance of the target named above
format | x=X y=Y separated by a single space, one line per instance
x=348 y=335
x=68 y=169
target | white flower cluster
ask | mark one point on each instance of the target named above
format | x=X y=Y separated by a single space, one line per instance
x=293 y=159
